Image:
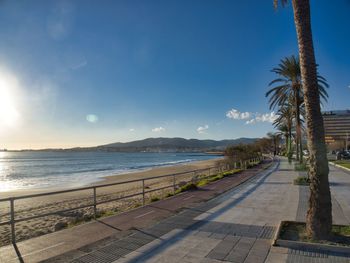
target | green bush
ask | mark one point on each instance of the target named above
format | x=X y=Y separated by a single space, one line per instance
x=231 y=172
x=301 y=180
x=155 y=198
x=203 y=182
x=169 y=194
x=301 y=167
x=187 y=187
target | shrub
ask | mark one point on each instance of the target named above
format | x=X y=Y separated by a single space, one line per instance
x=203 y=182
x=231 y=172
x=169 y=194
x=301 y=180
x=301 y=167
x=155 y=198
x=186 y=187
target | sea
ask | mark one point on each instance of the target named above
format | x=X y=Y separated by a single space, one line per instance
x=41 y=170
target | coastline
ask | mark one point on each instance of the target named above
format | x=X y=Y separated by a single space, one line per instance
x=158 y=171
x=120 y=177
x=51 y=203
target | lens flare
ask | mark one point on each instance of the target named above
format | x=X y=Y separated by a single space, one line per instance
x=92 y=118
x=9 y=114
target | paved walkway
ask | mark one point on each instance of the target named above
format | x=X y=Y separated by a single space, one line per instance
x=236 y=226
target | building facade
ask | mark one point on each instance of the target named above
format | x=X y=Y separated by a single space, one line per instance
x=337 y=128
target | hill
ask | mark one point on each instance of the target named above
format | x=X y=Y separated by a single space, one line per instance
x=173 y=144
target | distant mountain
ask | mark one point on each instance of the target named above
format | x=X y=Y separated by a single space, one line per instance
x=173 y=144
x=161 y=145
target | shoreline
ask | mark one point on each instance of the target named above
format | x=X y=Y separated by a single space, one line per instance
x=56 y=202
x=120 y=177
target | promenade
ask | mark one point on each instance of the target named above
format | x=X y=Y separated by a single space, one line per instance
x=237 y=225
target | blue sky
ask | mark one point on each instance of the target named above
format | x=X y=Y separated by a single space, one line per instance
x=81 y=73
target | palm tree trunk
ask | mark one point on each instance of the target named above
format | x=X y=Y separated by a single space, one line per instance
x=297 y=146
x=319 y=215
x=298 y=125
x=290 y=141
x=301 y=148
x=287 y=143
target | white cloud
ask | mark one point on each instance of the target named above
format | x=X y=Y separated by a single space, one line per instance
x=237 y=115
x=252 y=121
x=251 y=118
x=131 y=130
x=202 y=129
x=266 y=117
x=158 y=129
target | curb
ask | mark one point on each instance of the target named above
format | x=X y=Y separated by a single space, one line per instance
x=339 y=166
x=299 y=245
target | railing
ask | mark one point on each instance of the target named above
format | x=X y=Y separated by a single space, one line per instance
x=243 y=164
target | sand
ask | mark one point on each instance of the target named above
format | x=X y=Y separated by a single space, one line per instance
x=52 y=203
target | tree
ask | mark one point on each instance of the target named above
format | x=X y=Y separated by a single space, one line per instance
x=275 y=138
x=288 y=90
x=284 y=123
x=282 y=130
x=319 y=215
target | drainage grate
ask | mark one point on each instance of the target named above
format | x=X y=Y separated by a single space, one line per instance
x=267 y=232
x=115 y=250
x=308 y=253
x=304 y=194
x=97 y=257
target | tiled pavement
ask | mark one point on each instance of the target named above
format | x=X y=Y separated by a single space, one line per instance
x=234 y=227
x=237 y=226
x=339 y=188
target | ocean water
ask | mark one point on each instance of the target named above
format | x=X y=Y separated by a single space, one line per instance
x=33 y=170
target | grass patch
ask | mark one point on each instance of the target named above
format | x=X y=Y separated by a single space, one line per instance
x=169 y=194
x=231 y=172
x=155 y=199
x=214 y=178
x=345 y=164
x=296 y=231
x=203 y=182
x=186 y=187
x=301 y=180
x=301 y=167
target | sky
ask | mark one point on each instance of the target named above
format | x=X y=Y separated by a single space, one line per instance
x=86 y=73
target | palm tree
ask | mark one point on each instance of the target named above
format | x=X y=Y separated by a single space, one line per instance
x=275 y=138
x=283 y=131
x=319 y=215
x=288 y=89
x=284 y=123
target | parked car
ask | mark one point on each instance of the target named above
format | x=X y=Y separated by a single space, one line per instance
x=343 y=155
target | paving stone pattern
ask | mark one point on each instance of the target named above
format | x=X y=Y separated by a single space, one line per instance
x=237 y=226
x=228 y=241
x=315 y=256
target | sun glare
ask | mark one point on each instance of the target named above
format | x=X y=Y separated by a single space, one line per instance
x=8 y=111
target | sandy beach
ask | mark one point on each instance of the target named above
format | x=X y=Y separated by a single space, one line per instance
x=41 y=205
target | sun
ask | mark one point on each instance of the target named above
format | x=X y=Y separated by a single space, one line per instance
x=8 y=111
